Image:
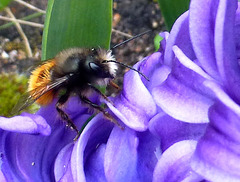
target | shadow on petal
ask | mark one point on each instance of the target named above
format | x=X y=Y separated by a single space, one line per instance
x=174 y=164
x=170 y=130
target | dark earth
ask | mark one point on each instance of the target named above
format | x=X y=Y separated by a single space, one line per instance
x=129 y=16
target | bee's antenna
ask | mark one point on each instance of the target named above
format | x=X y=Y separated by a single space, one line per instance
x=107 y=61
x=126 y=41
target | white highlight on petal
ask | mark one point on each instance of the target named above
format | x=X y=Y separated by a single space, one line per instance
x=174 y=164
x=184 y=60
x=223 y=96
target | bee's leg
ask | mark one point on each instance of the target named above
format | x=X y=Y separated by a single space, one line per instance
x=114 y=85
x=100 y=93
x=99 y=108
x=59 y=106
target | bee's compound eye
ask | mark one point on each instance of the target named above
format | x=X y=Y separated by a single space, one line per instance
x=94 y=66
x=104 y=61
x=94 y=51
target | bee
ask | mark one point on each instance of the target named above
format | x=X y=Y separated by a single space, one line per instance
x=78 y=71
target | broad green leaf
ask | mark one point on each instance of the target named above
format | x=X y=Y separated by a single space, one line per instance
x=172 y=9
x=4 y=3
x=76 y=23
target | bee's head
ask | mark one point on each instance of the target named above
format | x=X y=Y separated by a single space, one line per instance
x=96 y=63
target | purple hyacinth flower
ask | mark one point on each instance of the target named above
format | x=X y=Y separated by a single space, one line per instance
x=103 y=152
x=202 y=87
x=28 y=157
x=180 y=125
x=217 y=153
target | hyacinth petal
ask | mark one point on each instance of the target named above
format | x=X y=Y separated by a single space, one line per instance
x=163 y=42
x=222 y=95
x=23 y=164
x=26 y=123
x=181 y=102
x=121 y=155
x=133 y=83
x=174 y=164
x=153 y=68
x=61 y=166
x=225 y=45
x=130 y=106
x=96 y=132
x=171 y=131
x=217 y=154
x=179 y=36
x=95 y=169
x=185 y=61
x=202 y=33
x=2 y=178
x=20 y=163
x=148 y=153
x=190 y=73
x=237 y=32
x=183 y=91
x=73 y=108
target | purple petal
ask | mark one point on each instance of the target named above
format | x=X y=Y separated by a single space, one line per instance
x=2 y=178
x=95 y=133
x=217 y=153
x=121 y=155
x=73 y=108
x=201 y=25
x=170 y=131
x=237 y=32
x=174 y=164
x=148 y=154
x=225 y=46
x=153 y=68
x=26 y=123
x=20 y=163
x=135 y=105
x=183 y=91
x=179 y=36
x=62 y=167
x=190 y=73
x=181 y=102
x=185 y=61
x=222 y=96
x=95 y=167
x=163 y=42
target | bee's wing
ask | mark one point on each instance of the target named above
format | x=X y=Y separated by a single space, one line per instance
x=28 y=99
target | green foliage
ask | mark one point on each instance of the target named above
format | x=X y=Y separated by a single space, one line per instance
x=157 y=40
x=172 y=9
x=4 y=3
x=12 y=87
x=76 y=23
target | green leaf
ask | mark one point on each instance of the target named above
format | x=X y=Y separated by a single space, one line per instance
x=157 y=40
x=172 y=9
x=76 y=23
x=4 y=3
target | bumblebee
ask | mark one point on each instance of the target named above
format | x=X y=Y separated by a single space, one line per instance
x=78 y=71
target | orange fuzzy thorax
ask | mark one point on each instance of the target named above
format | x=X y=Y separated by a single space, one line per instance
x=38 y=82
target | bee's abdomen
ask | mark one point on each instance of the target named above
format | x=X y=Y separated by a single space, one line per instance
x=39 y=81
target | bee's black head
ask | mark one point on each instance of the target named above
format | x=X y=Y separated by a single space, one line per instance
x=96 y=64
